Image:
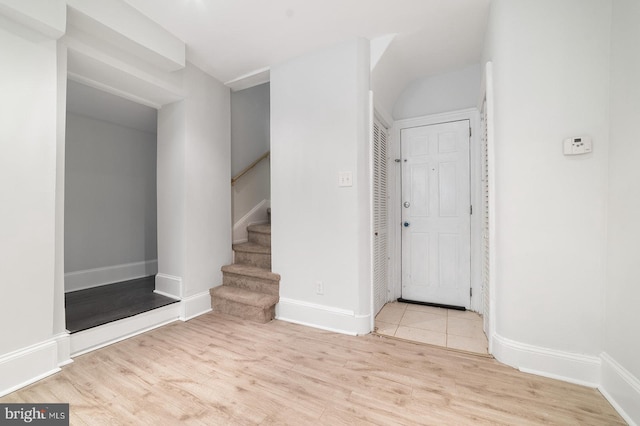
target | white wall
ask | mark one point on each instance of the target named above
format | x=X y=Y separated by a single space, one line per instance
x=207 y=178
x=27 y=169
x=452 y=91
x=622 y=325
x=388 y=80
x=118 y=21
x=28 y=131
x=250 y=138
x=250 y=121
x=194 y=191
x=170 y=186
x=59 y=320
x=43 y=16
x=110 y=195
x=551 y=75
x=115 y=48
x=319 y=127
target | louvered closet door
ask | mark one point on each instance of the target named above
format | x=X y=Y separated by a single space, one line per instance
x=380 y=225
x=486 y=291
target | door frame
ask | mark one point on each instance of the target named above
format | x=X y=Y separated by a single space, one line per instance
x=395 y=194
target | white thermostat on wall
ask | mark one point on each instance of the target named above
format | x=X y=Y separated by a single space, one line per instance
x=578 y=145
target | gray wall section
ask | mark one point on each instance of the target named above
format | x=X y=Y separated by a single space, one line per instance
x=250 y=126
x=250 y=138
x=110 y=194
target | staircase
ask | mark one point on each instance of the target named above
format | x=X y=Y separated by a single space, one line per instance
x=249 y=289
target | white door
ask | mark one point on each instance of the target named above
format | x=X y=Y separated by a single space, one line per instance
x=436 y=253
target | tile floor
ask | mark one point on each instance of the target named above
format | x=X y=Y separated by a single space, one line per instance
x=449 y=328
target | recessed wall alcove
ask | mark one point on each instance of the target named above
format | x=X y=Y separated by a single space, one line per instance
x=164 y=117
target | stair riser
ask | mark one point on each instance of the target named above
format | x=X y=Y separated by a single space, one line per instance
x=260 y=238
x=243 y=311
x=259 y=285
x=254 y=259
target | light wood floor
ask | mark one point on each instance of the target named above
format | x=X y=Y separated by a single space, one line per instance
x=214 y=370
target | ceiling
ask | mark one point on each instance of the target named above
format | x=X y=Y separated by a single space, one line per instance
x=233 y=39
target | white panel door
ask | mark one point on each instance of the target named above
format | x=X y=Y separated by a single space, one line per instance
x=436 y=249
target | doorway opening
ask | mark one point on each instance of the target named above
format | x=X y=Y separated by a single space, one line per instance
x=110 y=208
x=474 y=288
x=427 y=179
x=250 y=159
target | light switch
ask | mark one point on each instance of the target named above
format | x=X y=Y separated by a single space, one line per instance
x=345 y=179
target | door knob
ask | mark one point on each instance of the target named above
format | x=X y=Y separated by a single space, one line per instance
x=406 y=204
x=406 y=224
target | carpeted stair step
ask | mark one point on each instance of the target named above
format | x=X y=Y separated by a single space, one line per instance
x=260 y=234
x=249 y=305
x=253 y=254
x=251 y=278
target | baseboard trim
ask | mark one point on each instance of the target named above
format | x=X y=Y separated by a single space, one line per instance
x=323 y=317
x=258 y=214
x=621 y=389
x=80 y=280
x=113 y=332
x=566 y=366
x=63 y=340
x=196 y=305
x=28 y=365
x=169 y=285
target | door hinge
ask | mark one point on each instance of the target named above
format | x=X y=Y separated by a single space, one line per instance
x=470 y=291
x=470 y=209
x=469 y=131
